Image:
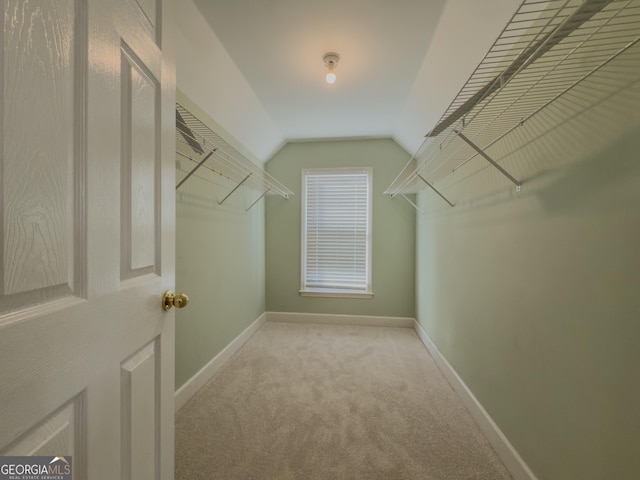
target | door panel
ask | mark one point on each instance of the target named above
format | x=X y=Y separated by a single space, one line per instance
x=87 y=234
x=62 y=431
x=38 y=201
x=139 y=411
x=139 y=170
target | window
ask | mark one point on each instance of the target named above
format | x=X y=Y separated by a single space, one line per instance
x=336 y=232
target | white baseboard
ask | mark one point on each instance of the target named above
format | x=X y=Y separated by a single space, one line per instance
x=331 y=319
x=195 y=383
x=509 y=456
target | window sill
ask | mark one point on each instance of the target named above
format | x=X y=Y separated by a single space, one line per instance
x=335 y=294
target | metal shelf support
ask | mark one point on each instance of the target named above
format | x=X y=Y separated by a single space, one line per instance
x=259 y=198
x=234 y=189
x=435 y=190
x=489 y=159
x=412 y=203
x=580 y=16
x=199 y=144
x=206 y=157
x=542 y=64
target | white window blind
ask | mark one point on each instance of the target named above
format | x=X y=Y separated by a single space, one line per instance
x=336 y=230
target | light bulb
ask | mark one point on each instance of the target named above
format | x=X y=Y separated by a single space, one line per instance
x=331 y=77
x=330 y=60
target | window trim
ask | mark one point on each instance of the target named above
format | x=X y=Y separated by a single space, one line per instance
x=336 y=292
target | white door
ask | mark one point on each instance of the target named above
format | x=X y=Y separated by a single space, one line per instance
x=87 y=234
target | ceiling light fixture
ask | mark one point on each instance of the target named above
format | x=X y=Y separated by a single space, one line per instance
x=330 y=60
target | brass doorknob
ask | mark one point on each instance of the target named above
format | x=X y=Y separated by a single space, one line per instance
x=170 y=299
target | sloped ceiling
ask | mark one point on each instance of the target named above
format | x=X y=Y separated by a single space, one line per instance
x=401 y=62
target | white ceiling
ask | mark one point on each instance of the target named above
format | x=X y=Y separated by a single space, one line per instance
x=401 y=62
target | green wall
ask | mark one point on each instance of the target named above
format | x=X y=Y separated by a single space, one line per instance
x=534 y=297
x=393 y=230
x=219 y=262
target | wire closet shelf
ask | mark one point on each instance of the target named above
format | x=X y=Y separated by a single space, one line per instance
x=547 y=48
x=198 y=144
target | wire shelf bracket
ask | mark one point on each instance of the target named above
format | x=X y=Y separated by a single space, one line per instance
x=436 y=190
x=411 y=202
x=581 y=15
x=198 y=143
x=487 y=158
x=234 y=189
x=194 y=169
x=543 y=59
x=258 y=199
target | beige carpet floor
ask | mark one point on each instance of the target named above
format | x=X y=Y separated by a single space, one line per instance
x=309 y=402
